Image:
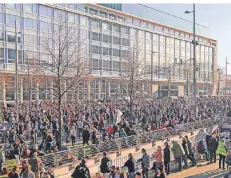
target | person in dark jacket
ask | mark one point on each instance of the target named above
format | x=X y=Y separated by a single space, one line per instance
x=104 y=167
x=86 y=136
x=81 y=171
x=166 y=158
x=212 y=147
x=130 y=164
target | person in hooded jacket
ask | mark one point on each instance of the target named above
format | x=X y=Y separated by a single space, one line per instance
x=81 y=171
x=167 y=157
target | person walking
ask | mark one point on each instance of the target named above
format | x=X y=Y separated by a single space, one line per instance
x=34 y=162
x=145 y=163
x=104 y=165
x=166 y=158
x=2 y=159
x=158 y=156
x=185 y=148
x=130 y=164
x=86 y=136
x=221 y=151
x=178 y=153
x=81 y=171
x=212 y=147
x=190 y=151
x=80 y=127
x=27 y=173
x=73 y=134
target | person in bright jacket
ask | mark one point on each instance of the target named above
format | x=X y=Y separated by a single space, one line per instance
x=221 y=151
x=158 y=156
x=178 y=153
x=110 y=131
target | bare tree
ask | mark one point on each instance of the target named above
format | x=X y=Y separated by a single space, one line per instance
x=67 y=64
x=133 y=74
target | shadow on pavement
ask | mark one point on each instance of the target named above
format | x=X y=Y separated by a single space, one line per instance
x=218 y=173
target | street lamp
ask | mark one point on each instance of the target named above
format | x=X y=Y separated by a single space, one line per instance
x=226 y=65
x=16 y=69
x=194 y=57
x=151 y=73
x=219 y=71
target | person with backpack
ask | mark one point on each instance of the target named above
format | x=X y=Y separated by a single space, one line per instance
x=104 y=165
x=81 y=171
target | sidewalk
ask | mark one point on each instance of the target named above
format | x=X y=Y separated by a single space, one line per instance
x=204 y=171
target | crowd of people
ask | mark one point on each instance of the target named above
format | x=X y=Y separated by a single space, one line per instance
x=35 y=128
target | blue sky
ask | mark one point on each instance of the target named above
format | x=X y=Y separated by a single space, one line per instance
x=216 y=16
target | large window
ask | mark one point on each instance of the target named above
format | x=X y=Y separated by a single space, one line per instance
x=116 y=40
x=96 y=36
x=106 y=39
x=116 y=28
x=95 y=23
x=11 y=38
x=30 y=23
x=11 y=54
x=95 y=64
x=106 y=65
x=105 y=26
x=11 y=20
x=45 y=26
x=106 y=51
x=1 y=52
x=83 y=20
x=30 y=8
x=30 y=40
x=116 y=66
x=124 y=30
x=58 y=14
x=96 y=49
x=1 y=18
x=45 y=11
x=125 y=42
x=116 y=52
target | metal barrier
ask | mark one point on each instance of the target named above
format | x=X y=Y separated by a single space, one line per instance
x=136 y=140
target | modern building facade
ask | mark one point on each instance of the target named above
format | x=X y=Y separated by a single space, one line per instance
x=113 y=6
x=108 y=35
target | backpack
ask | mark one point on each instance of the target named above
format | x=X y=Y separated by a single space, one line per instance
x=200 y=147
x=80 y=172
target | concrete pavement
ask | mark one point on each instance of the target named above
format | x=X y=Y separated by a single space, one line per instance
x=204 y=171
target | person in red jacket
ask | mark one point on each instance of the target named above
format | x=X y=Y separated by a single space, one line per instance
x=110 y=131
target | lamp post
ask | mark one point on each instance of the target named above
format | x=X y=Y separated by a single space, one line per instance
x=16 y=68
x=151 y=73
x=226 y=65
x=194 y=56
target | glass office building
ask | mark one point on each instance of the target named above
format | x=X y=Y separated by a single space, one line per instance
x=113 y=6
x=108 y=36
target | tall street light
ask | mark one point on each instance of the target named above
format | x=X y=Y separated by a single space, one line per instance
x=16 y=68
x=226 y=65
x=194 y=57
x=151 y=74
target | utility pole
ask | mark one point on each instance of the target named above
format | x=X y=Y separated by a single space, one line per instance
x=194 y=60
x=226 y=65
x=16 y=68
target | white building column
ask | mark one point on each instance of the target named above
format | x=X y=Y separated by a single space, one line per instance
x=99 y=89
x=65 y=94
x=37 y=91
x=109 y=88
x=21 y=90
x=52 y=90
x=4 y=92
x=88 y=90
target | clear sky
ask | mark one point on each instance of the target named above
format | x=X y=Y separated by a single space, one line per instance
x=216 y=16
